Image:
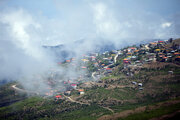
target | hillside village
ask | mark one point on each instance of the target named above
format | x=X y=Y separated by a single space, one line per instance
x=107 y=83
x=129 y=61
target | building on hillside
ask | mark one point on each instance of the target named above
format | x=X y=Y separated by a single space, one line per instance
x=67 y=93
x=140 y=88
x=81 y=91
x=160 y=42
x=134 y=82
x=58 y=97
x=93 y=58
x=126 y=61
x=153 y=44
x=140 y=84
x=85 y=60
x=147 y=47
x=68 y=61
x=74 y=86
x=109 y=70
x=131 y=49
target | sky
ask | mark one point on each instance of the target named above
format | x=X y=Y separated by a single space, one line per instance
x=71 y=20
x=25 y=26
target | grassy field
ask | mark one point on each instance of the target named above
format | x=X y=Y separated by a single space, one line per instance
x=148 y=114
x=39 y=108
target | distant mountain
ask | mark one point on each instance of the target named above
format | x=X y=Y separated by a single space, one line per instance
x=62 y=53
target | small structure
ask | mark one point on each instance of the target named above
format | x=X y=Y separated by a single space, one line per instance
x=83 y=67
x=126 y=61
x=160 y=42
x=93 y=58
x=85 y=60
x=81 y=91
x=68 y=61
x=170 y=72
x=67 y=93
x=157 y=50
x=178 y=58
x=58 y=97
x=176 y=53
x=74 y=86
x=109 y=70
x=140 y=88
x=134 y=82
x=140 y=84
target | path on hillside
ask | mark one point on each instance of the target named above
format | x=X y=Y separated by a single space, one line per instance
x=107 y=108
x=70 y=99
x=93 y=75
x=22 y=90
x=115 y=58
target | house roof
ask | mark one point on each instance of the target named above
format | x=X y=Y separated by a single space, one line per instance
x=108 y=68
x=68 y=60
x=125 y=59
x=132 y=48
x=136 y=51
x=176 y=53
x=58 y=96
x=157 y=50
x=160 y=41
x=153 y=43
x=81 y=90
x=73 y=84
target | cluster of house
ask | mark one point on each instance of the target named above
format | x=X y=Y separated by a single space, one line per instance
x=161 y=51
x=132 y=58
x=68 y=87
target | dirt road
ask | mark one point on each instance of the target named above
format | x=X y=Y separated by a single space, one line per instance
x=70 y=99
x=23 y=91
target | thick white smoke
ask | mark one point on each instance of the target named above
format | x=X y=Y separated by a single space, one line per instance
x=22 y=56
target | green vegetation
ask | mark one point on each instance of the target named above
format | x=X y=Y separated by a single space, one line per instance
x=148 y=114
x=100 y=93
x=39 y=108
x=8 y=95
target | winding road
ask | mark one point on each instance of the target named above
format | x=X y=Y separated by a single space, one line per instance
x=93 y=75
x=115 y=58
x=23 y=91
